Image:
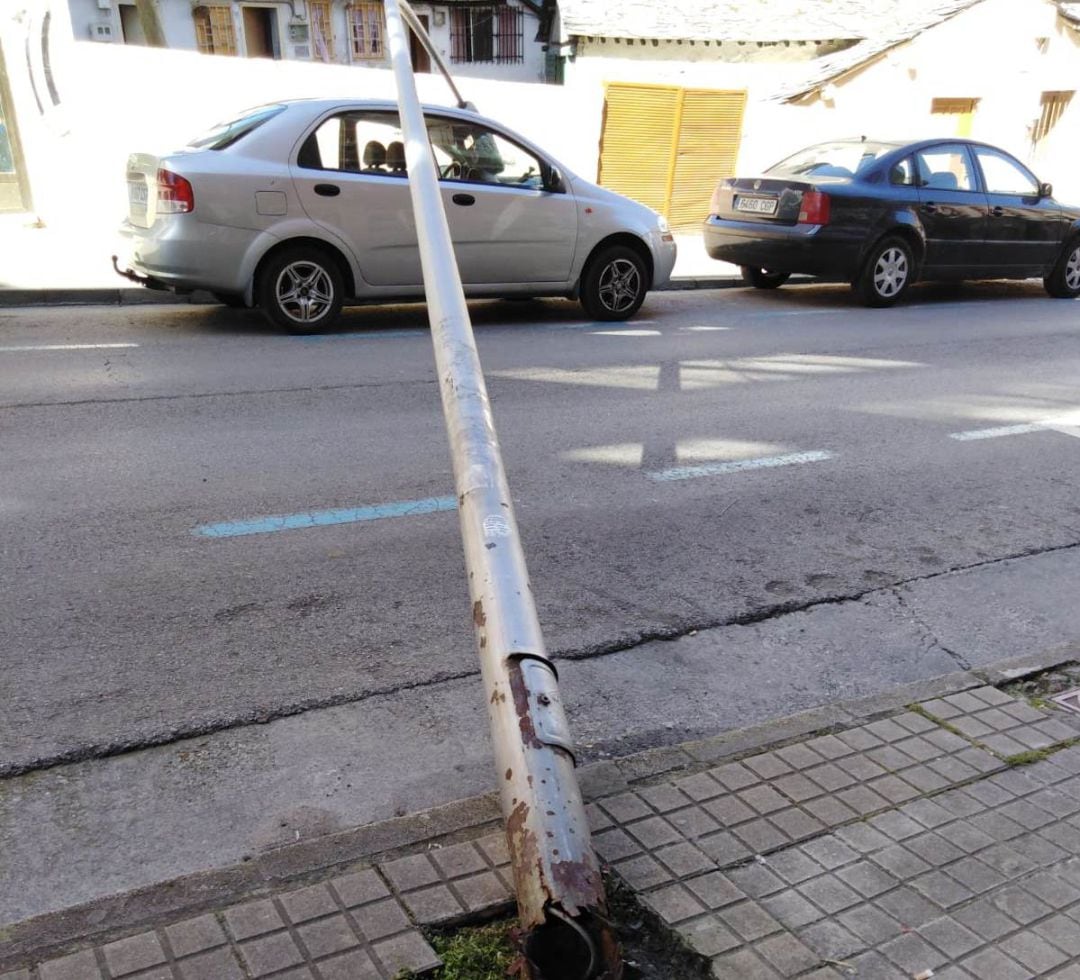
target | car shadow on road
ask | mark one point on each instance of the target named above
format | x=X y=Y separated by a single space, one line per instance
x=382 y=318
x=839 y=295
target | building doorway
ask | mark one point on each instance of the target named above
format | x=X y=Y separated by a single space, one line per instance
x=14 y=190
x=421 y=60
x=260 y=32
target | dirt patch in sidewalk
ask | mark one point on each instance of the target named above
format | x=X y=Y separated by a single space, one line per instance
x=650 y=950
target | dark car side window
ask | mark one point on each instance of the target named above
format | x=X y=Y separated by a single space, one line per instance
x=1004 y=175
x=945 y=167
x=903 y=173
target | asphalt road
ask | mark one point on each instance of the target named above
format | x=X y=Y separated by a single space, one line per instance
x=727 y=457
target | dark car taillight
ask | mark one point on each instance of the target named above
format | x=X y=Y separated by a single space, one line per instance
x=174 y=193
x=815 y=208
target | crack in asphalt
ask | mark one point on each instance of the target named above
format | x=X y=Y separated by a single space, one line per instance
x=932 y=639
x=93 y=752
x=299 y=389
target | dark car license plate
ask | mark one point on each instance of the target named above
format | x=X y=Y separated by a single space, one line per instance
x=756 y=205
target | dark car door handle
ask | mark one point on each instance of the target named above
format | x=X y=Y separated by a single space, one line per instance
x=930 y=207
x=327 y=190
x=997 y=211
x=463 y=199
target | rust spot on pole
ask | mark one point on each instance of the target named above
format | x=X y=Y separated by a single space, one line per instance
x=509 y=774
x=478 y=613
x=521 y=708
x=578 y=883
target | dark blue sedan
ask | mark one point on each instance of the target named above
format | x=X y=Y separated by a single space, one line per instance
x=881 y=215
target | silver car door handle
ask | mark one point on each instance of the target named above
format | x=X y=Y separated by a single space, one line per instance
x=327 y=190
x=463 y=199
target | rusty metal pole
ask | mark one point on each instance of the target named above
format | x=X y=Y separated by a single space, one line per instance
x=560 y=894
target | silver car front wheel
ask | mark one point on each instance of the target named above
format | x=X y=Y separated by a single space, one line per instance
x=301 y=290
x=614 y=284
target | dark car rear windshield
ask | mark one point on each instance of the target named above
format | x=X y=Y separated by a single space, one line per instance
x=226 y=133
x=845 y=158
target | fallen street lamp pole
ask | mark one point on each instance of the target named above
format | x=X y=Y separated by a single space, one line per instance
x=560 y=893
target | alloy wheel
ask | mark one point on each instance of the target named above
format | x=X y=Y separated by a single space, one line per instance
x=620 y=285
x=1072 y=269
x=304 y=291
x=890 y=272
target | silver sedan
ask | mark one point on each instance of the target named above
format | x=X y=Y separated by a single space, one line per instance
x=302 y=206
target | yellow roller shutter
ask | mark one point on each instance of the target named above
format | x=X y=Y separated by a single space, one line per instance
x=666 y=147
x=637 y=141
x=711 y=124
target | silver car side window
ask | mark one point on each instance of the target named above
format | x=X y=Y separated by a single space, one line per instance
x=472 y=153
x=356 y=142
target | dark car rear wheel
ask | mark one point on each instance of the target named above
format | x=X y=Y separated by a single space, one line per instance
x=614 y=284
x=1064 y=281
x=763 y=278
x=888 y=272
x=301 y=289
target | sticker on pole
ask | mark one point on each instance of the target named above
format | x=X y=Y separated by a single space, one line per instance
x=496 y=527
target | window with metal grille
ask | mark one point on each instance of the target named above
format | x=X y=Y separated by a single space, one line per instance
x=1052 y=106
x=322 y=29
x=367 y=31
x=214 y=32
x=487 y=34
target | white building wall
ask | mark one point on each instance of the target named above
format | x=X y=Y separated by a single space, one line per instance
x=115 y=99
x=179 y=30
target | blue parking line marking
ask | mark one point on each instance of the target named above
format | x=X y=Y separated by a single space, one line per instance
x=323 y=518
x=738 y=466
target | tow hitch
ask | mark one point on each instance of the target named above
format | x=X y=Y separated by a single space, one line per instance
x=148 y=281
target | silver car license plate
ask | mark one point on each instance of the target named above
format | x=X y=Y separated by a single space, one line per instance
x=756 y=205
x=137 y=194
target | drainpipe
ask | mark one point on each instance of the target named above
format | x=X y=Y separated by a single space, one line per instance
x=560 y=894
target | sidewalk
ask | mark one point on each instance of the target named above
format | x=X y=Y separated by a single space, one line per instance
x=71 y=264
x=934 y=831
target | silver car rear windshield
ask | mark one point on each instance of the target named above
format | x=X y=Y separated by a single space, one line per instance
x=840 y=159
x=226 y=133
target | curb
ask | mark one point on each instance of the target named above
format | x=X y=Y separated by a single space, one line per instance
x=139 y=296
x=314 y=860
x=98 y=296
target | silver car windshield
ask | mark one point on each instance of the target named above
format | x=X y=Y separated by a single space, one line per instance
x=226 y=133
x=840 y=159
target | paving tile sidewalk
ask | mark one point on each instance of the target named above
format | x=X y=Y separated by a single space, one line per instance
x=941 y=840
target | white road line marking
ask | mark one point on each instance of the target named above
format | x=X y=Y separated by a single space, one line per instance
x=15 y=350
x=738 y=465
x=998 y=432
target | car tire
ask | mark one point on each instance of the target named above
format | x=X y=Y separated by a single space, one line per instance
x=614 y=284
x=763 y=278
x=1064 y=281
x=301 y=290
x=887 y=274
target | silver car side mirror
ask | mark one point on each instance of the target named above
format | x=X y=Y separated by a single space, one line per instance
x=554 y=182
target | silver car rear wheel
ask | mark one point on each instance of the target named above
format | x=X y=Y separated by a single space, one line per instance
x=614 y=284
x=301 y=290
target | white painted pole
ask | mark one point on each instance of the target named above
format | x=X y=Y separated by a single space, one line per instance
x=560 y=893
